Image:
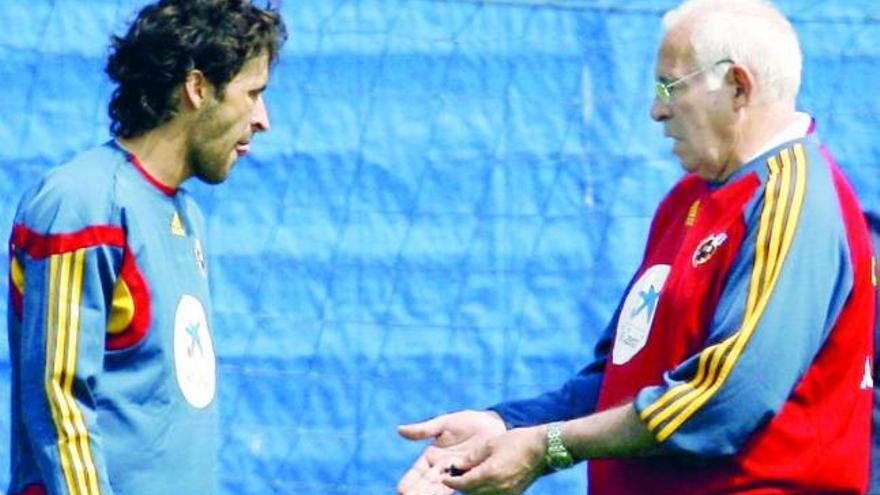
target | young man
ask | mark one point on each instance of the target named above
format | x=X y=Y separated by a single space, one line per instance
x=739 y=361
x=113 y=370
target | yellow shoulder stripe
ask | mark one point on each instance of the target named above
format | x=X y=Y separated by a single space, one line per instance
x=62 y=341
x=121 y=309
x=17 y=273
x=783 y=200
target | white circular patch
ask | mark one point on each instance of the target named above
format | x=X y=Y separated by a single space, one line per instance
x=194 y=353
x=637 y=314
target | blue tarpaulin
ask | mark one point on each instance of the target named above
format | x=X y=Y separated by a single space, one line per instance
x=445 y=212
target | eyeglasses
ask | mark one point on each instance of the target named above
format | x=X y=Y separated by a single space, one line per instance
x=664 y=89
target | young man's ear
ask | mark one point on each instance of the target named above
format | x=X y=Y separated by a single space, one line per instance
x=196 y=90
x=743 y=84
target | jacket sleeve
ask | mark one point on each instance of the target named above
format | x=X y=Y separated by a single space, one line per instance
x=66 y=283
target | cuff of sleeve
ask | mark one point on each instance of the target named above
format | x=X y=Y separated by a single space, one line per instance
x=508 y=422
x=644 y=399
x=689 y=440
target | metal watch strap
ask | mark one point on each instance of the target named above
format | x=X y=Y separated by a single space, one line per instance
x=557 y=456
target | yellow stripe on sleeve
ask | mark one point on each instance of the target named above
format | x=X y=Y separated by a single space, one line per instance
x=74 y=331
x=771 y=219
x=54 y=346
x=62 y=342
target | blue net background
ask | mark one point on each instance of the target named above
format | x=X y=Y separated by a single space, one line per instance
x=447 y=208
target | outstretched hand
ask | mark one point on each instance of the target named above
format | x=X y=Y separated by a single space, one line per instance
x=505 y=465
x=455 y=435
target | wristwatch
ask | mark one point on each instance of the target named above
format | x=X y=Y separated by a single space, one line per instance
x=557 y=456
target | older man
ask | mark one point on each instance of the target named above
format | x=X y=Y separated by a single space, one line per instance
x=739 y=360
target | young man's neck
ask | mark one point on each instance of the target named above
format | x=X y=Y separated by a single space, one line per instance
x=161 y=152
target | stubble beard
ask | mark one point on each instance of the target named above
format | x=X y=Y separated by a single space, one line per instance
x=208 y=164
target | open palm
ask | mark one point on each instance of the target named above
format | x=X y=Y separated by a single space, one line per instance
x=454 y=435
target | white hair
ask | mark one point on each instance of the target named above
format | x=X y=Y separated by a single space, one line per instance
x=752 y=33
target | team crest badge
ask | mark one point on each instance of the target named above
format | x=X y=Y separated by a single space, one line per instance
x=707 y=248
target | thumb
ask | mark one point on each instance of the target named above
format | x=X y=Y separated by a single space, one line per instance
x=474 y=458
x=468 y=473
x=426 y=429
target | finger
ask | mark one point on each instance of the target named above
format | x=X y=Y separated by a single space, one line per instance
x=437 y=455
x=426 y=429
x=434 y=488
x=429 y=484
x=469 y=482
x=418 y=470
x=469 y=473
x=425 y=487
x=441 y=489
x=474 y=458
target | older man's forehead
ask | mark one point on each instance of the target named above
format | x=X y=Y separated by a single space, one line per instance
x=674 y=58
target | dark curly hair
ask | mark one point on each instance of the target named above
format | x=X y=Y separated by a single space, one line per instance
x=172 y=37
